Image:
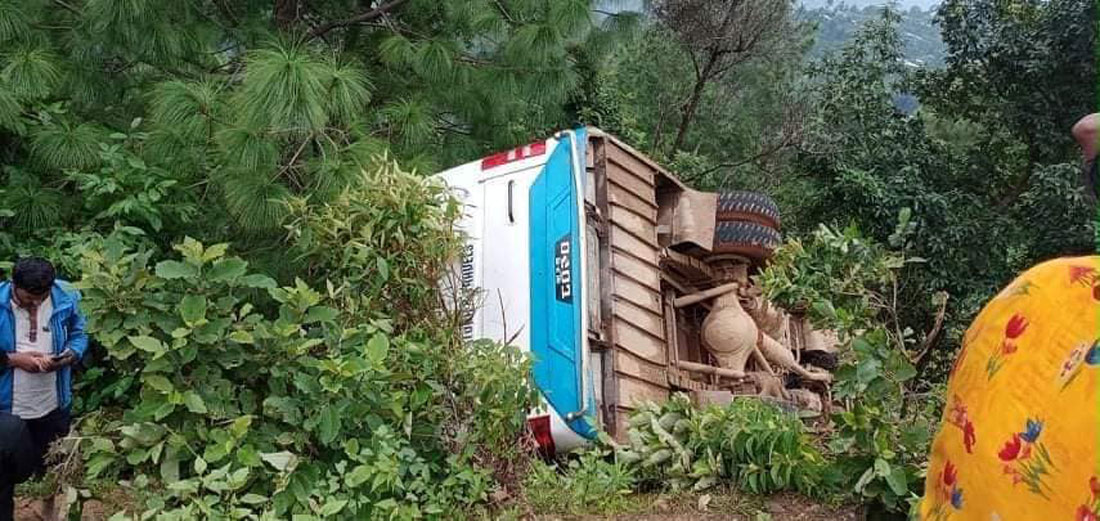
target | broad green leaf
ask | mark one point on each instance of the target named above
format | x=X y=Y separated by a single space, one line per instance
x=900 y=367
x=254 y=499
x=377 y=348
x=281 y=461
x=170 y=466
x=238 y=478
x=214 y=252
x=320 y=314
x=383 y=269
x=241 y=337
x=359 y=475
x=181 y=332
x=193 y=309
x=158 y=382
x=145 y=434
x=898 y=481
x=868 y=370
x=867 y=477
x=329 y=425
x=194 y=402
x=882 y=468
x=257 y=280
x=227 y=270
x=333 y=507
x=240 y=426
x=215 y=453
x=163 y=411
x=147 y=344
x=185 y=487
x=170 y=269
x=200 y=466
x=192 y=251
x=98 y=463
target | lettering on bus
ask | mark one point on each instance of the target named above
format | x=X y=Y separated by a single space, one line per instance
x=466 y=279
x=563 y=269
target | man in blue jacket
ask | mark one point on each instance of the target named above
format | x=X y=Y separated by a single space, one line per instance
x=41 y=337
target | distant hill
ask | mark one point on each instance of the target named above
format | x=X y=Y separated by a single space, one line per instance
x=837 y=22
x=902 y=4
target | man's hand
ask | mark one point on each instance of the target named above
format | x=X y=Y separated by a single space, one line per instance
x=62 y=360
x=30 y=362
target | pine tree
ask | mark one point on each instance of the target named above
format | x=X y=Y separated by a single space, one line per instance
x=243 y=105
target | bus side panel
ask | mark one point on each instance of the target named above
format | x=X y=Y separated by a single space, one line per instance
x=506 y=279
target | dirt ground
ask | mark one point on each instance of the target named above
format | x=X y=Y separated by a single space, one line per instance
x=37 y=510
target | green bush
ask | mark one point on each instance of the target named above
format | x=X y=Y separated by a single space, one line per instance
x=383 y=245
x=750 y=443
x=849 y=284
x=239 y=398
x=589 y=483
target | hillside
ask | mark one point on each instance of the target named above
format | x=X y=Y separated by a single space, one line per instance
x=837 y=23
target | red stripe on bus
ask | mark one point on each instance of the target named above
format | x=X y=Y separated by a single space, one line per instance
x=516 y=154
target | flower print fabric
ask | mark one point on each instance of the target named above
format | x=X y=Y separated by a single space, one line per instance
x=1020 y=435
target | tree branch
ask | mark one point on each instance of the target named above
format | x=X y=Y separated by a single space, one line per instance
x=612 y=15
x=504 y=12
x=367 y=16
x=930 y=338
x=225 y=11
x=67 y=6
x=762 y=154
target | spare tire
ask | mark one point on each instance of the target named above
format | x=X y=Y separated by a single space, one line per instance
x=749 y=239
x=747 y=206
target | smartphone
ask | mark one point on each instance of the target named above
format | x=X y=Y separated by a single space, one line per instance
x=57 y=358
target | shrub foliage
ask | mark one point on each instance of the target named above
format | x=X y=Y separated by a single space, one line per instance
x=242 y=399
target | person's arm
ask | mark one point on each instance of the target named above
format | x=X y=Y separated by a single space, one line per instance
x=1087 y=132
x=77 y=342
x=29 y=362
x=78 y=339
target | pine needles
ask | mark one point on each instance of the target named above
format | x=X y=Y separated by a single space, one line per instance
x=284 y=89
x=63 y=145
x=245 y=113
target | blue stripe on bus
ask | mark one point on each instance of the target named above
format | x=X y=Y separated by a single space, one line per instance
x=556 y=289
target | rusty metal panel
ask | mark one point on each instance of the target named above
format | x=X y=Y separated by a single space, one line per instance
x=638 y=269
x=639 y=342
x=622 y=197
x=638 y=294
x=639 y=317
x=635 y=392
x=634 y=317
x=627 y=243
x=689 y=217
x=592 y=254
x=640 y=224
x=627 y=162
x=640 y=368
x=631 y=183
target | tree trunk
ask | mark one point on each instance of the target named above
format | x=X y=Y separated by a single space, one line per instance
x=286 y=13
x=693 y=103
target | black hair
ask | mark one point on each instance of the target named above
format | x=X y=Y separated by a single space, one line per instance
x=34 y=275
